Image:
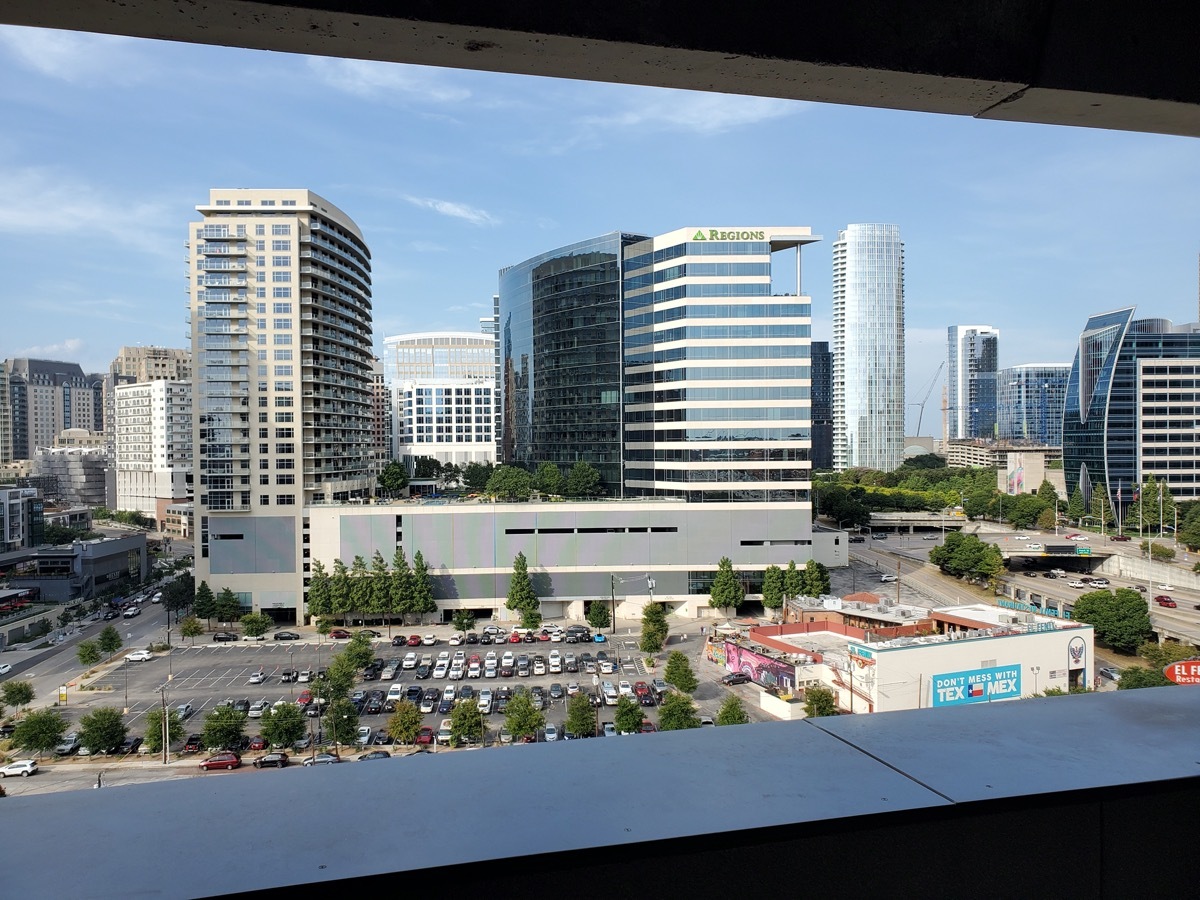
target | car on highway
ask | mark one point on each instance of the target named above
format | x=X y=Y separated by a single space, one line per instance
x=736 y=678
x=1035 y=547
x=930 y=537
x=228 y=760
x=857 y=539
x=285 y=636
x=224 y=636
x=271 y=761
x=1075 y=584
x=22 y=767
x=139 y=656
x=131 y=612
x=1020 y=537
x=110 y=615
x=1120 y=537
x=1164 y=600
x=321 y=759
x=1099 y=582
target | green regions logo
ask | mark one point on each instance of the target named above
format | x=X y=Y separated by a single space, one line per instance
x=718 y=235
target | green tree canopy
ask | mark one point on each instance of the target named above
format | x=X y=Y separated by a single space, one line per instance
x=426 y=467
x=965 y=555
x=400 y=586
x=466 y=724
x=341 y=721
x=793 y=581
x=191 y=628
x=819 y=701
x=102 y=730
x=580 y=717
x=583 y=481
x=462 y=620
x=360 y=586
x=1046 y=492
x=1120 y=620
x=381 y=594
x=726 y=591
x=40 y=731
x=509 y=483
x=1075 y=507
x=1161 y=655
x=1135 y=677
x=109 y=641
x=772 y=587
x=320 y=595
x=423 y=603
x=520 y=717
x=732 y=712
x=548 y=479
x=340 y=599
x=393 y=479
x=522 y=598
x=654 y=628
x=405 y=723
x=475 y=476
x=677 y=712
x=223 y=727
x=17 y=694
x=205 y=604
x=679 y=672
x=256 y=623
x=359 y=652
x=628 y=715
x=283 y=725
x=814 y=579
x=229 y=607
x=598 y=615
x=153 y=738
x=88 y=654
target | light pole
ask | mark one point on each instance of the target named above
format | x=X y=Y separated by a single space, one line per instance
x=1035 y=670
x=125 y=666
x=291 y=677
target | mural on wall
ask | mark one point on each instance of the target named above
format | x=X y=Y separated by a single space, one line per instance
x=762 y=669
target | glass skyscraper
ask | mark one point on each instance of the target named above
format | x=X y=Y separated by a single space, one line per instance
x=1030 y=400
x=868 y=348
x=822 y=406
x=971 y=382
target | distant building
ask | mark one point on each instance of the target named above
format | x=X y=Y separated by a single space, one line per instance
x=138 y=365
x=46 y=397
x=83 y=475
x=868 y=348
x=1030 y=400
x=153 y=429
x=822 y=406
x=971 y=381
x=21 y=518
x=981 y=454
x=1023 y=472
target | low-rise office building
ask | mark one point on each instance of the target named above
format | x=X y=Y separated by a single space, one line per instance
x=82 y=570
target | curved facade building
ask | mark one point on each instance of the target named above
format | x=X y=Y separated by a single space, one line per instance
x=560 y=358
x=868 y=348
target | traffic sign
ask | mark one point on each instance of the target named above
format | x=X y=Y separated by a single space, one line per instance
x=1184 y=672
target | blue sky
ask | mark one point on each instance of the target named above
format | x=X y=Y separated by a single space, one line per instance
x=109 y=143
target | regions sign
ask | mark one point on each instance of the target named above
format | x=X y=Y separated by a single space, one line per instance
x=1185 y=672
x=716 y=234
x=977 y=686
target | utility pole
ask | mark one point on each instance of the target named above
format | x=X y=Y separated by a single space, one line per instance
x=166 y=731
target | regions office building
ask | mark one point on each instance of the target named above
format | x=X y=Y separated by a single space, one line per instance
x=669 y=363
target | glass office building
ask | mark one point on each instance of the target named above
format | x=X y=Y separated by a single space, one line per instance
x=868 y=348
x=1030 y=400
x=1105 y=413
x=973 y=355
x=822 y=406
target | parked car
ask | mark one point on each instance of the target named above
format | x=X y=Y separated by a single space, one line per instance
x=321 y=759
x=139 y=656
x=289 y=675
x=425 y=735
x=228 y=760
x=257 y=708
x=224 y=636
x=340 y=634
x=194 y=744
x=185 y=711
x=429 y=640
x=1112 y=673
x=258 y=677
x=736 y=678
x=364 y=735
x=285 y=636
x=68 y=745
x=272 y=761
x=375 y=754
x=886 y=578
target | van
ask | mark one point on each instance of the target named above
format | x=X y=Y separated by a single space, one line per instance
x=444 y=731
x=396 y=693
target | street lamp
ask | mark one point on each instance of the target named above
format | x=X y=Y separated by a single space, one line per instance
x=125 y=666
x=1035 y=670
x=291 y=669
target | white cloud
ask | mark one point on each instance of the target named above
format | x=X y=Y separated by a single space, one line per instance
x=427 y=247
x=44 y=201
x=659 y=109
x=454 y=210
x=67 y=349
x=71 y=56
x=365 y=78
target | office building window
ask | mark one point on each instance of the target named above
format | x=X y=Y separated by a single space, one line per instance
x=283 y=355
x=281 y=292
x=282 y=323
x=285 y=499
x=282 y=309
x=281 y=245
x=281 y=229
x=285 y=479
x=283 y=372
x=264 y=499
x=281 y=260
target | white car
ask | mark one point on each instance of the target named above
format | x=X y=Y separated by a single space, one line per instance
x=396 y=692
x=886 y=578
x=22 y=767
x=456 y=672
x=456 y=639
x=489 y=669
x=450 y=692
x=305 y=675
x=556 y=636
x=131 y=612
x=429 y=640
x=539 y=666
x=508 y=659
x=254 y=637
x=257 y=708
x=1075 y=584
x=572 y=688
x=1036 y=547
x=444 y=657
x=364 y=735
x=490 y=656
x=460 y=657
x=258 y=677
x=551 y=733
x=157 y=598
x=5 y=668
x=1020 y=537
x=625 y=688
x=1099 y=582
x=410 y=660
x=485 y=701
x=440 y=670
x=139 y=656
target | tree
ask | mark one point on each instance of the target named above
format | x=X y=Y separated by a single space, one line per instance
x=726 y=591
x=205 y=604
x=1101 y=509
x=405 y=723
x=793 y=581
x=819 y=701
x=521 y=596
x=153 y=739
x=178 y=594
x=1134 y=677
x=654 y=628
x=191 y=628
x=509 y=483
x=520 y=717
x=88 y=654
x=256 y=623
x=1120 y=619
x=1047 y=519
x=400 y=587
x=423 y=603
x=548 y=479
x=582 y=481
x=1161 y=655
x=64 y=618
x=358 y=653
x=1157 y=551
x=1075 y=507
x=229 y=607
x=965 y=555
x=283 y=725
x=628 y=715
x=320 y=595
x=815 y=579
x=109 y=641
x=679 y=672
x=772 y=587
x=341 y=721
x=677 y=712
x=223 y=727
x=1189 y=527
x=393 y=479
x=1024 y=509
x=598 y=615
x=381 y=594
x=340 y=599
x=580 y=717
x=466 y=724
x=40 y=731
x=450 y=475
x=426 y=468
x=732 y=712
x=360 y=586
x=1046 y=492
x=475 y=476
x=17 y=694
x=463 y=620
x=102 y=730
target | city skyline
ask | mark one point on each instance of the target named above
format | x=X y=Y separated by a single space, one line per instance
x=1009 y=218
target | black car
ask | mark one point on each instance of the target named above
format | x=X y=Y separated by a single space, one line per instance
x=371 y=634
x=413 y=694
x=423 y=672
x=194 y=744
x=857 y=539
x=507 y=671
x=312 y=710
x=373 y=708
x=382 y=739
x=445 y=705
x=111 y=614
x=736 y=678
x=472 y=637
x=289 y=675
x=647 y=699
x=1049 y=575
x=485 y=638
x=530 y=638
x=370 y=673
x=375 y=754
x=224 y=636
x=286 y=636
x=272 y=761
x=467 y=693
x=399 y=641
x=130 y=745
x=556 y=691
x=242 y=706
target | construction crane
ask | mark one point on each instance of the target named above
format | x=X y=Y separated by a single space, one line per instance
x=928 y=391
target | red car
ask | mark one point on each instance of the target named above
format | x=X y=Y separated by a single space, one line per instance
x=340 y=634
x=228 y=760
x=514 y=638
x=425 y=736
x=1164 y=600
x=414 y=640
x=258 y=742
x=304 y=699
x=543 y=636
x=648 y=728
x=1119 y=537
x=640 y=688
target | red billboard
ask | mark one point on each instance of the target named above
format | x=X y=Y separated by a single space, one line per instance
x=1185 y=672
